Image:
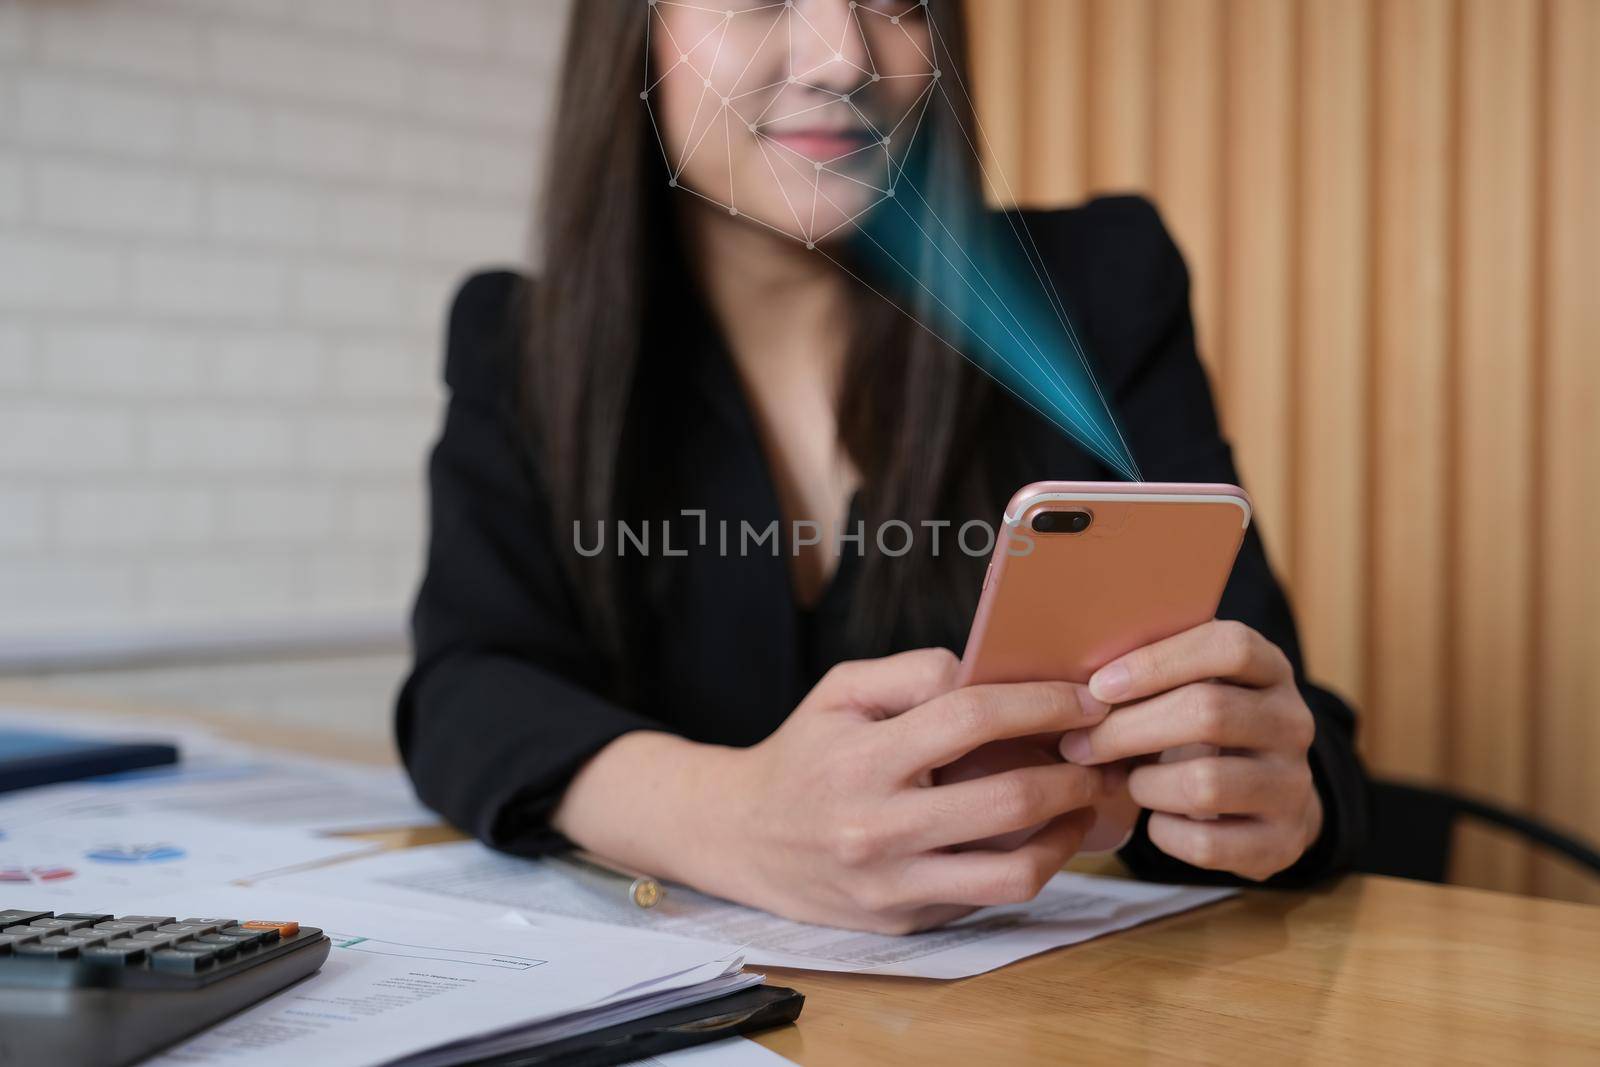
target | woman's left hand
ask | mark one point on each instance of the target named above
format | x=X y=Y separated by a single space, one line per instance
x=1252 y=809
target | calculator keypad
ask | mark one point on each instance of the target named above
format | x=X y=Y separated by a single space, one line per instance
x=80 y=987
x=119 y=953
x=41 y=950
x=61 y=924
x=159 y=942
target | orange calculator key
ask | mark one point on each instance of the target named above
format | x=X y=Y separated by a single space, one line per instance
x=285 y=930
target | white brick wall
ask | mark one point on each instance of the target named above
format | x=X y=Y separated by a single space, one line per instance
x=229 y=230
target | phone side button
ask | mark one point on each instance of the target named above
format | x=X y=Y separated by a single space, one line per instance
x=988 y=572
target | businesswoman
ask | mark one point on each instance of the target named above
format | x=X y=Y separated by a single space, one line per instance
x=782 y=729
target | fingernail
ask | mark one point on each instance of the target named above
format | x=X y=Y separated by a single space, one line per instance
x=1091 y=705
x=1111 y=682
x=1075 y=746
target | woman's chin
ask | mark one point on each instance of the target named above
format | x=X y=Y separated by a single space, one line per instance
x=829 y=230
x=814 y=216
x=832 y=216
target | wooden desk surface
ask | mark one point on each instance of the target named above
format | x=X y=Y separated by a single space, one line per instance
x=1370 y=970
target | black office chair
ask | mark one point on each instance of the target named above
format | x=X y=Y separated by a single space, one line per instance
x=1413 y=828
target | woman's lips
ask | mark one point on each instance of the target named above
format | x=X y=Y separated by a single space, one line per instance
x=822 y=145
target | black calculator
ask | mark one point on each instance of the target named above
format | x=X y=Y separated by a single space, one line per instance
x=79 y=989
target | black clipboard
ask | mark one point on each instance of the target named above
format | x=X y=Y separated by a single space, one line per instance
x=738 y=1013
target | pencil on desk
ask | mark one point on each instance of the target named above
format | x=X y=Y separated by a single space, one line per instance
x=640 y=889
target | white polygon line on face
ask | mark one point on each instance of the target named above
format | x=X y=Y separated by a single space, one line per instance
x=823 y=105
x=704 y=37
x=848 y=221
x=758 y=89
x=798 y=225
x=852 y=179
x=733 y=91
x=861 y=35
x=816 y=191
x=852 y=153
x=727 y=135
x=705 y=79
x=899 y=22
x=837 y=50
x=920 y=106
x=645 y=95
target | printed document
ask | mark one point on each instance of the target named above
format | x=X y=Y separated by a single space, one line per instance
x=416 y=988
x=466 y=878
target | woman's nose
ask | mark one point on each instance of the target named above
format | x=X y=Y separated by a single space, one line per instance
x=828 y=48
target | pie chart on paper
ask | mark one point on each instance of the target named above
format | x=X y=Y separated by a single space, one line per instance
x=135 y=854
x=80 y=859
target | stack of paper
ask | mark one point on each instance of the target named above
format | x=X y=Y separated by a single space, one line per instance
x=412 y=987
x=469 y=879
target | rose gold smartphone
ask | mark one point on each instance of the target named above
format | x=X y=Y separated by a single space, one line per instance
x=1084 y=572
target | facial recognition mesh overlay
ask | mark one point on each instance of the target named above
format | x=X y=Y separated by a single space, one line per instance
x=814 y=120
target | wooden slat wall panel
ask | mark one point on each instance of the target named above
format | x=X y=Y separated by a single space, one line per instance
x=1388 y=210
x=1258 y=278
x=1121 y=50
x=1567 y=668
x=1187 y=151
x=1000 y=48
x=1056 y=102
x=1493 y=440
x=1405 y=725
x=1330 y=477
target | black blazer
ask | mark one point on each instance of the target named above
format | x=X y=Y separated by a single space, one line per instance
x=508 y=697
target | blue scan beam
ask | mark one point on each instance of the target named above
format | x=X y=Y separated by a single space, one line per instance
x=975 y=285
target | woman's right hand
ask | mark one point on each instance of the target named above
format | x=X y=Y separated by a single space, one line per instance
x=836 y=819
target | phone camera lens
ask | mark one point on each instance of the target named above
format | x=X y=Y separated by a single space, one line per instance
x=1075 y=521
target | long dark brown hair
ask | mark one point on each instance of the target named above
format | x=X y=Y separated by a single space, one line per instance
x=910 y=406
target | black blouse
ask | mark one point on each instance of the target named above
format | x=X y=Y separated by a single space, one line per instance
x=507 y=697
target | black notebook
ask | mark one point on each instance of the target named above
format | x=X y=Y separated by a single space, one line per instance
x=745 y=1012
x=29 y=758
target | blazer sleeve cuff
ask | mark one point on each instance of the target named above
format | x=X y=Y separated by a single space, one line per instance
x=492 y=742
